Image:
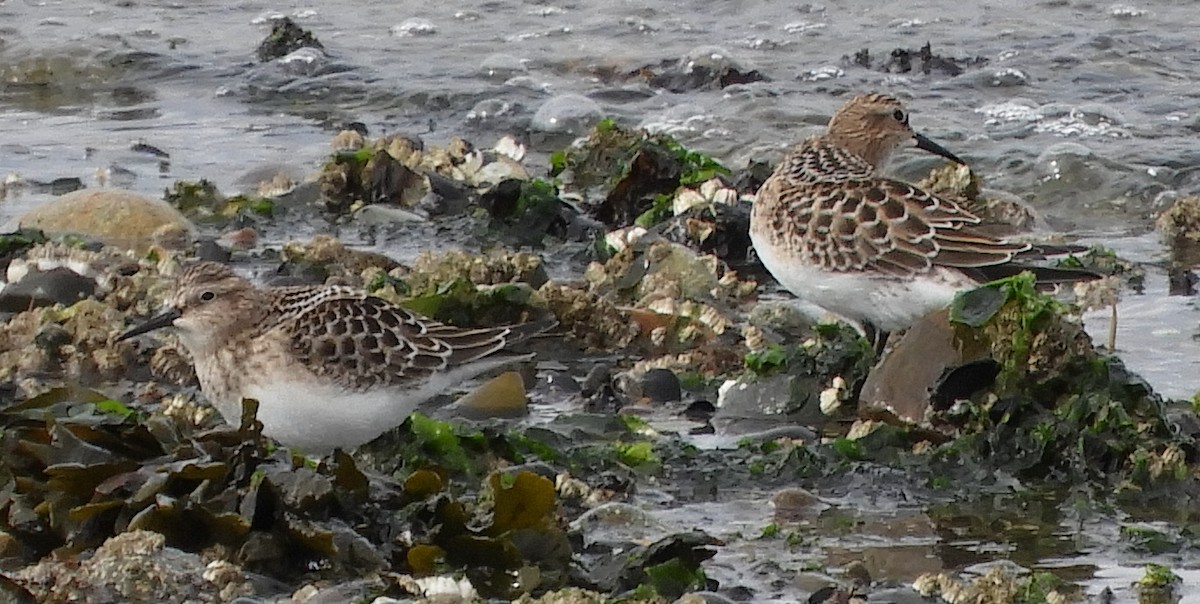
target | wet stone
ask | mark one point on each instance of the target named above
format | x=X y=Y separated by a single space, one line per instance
x=501 y=396
x=703 y=68
x=661 y=385
x=415 y=26
x=566 y=114
x=45 y=288
x=922 y=60
x=502 y=66
x=286 y=37
x=764 y=402
x=303 y=61
x=489 y=110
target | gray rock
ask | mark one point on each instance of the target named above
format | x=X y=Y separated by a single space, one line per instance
x=36 y=288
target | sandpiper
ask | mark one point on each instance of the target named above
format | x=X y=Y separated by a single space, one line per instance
x=330 y=366
x=835 y=232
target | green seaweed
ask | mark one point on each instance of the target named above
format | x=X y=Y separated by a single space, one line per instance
x=636 y=173
x=1057 y=406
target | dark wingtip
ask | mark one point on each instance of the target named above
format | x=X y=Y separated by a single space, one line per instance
x=524 y=331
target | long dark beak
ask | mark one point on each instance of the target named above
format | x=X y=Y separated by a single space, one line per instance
x=163 y=319
x=936 y=149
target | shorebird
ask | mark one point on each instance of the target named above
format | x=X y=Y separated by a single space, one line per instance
x=879 y=251
x=330 y=366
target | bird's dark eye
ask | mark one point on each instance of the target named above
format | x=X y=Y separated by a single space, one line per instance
x=207 y=296
x=900 y=116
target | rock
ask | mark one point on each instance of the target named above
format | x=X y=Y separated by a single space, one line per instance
x=134 y=567
x=764 y=402
x=383 y=215
x=566 y=114
x=501 y=396
x=285 y=38
x=905 y=377
x=46 y=288
x=1179 y=226
x=703 y=68
x=661 y=386
x=794 y=504
x=500 y=66
x=905 y=60
x=115 y=217
x=1072 y=166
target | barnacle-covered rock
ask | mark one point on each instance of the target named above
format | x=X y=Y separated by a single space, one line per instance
x=654 y=268
x=1056 y=403
x=1001 y=583
x=371 y=175
x=348 y=140
x=710 y=192
x=81 y=349
x=678 y=297
x=1179 y=226
x=956 y=181
x=462 y=162
x=326 y=257
x=493 y=268
x=626 y=176
x=401 y=170
x=589 y=318
x=136 y=566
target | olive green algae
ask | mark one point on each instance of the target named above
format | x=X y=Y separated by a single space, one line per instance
x=1058 y=409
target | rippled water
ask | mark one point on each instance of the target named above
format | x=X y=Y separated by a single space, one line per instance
x=1088 y=110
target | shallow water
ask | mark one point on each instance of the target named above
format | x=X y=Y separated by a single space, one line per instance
x=1085 y=109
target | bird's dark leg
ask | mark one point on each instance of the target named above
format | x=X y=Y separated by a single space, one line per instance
x=877 y=337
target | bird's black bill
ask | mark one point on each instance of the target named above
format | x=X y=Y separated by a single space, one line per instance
x=159 y=321
x=936 y=149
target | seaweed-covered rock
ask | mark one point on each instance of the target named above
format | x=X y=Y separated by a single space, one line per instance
x=670 y=566
x=704 y=68
x=804 y=383
x=1057 y=407
x=525 y=211
x=623 y=174
x=923 y=60
x=285 y=38
x=465 y=289
x=203 y=203
x=403 y=172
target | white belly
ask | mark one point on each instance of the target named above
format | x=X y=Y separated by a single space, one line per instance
x=317 y=416
x=318 y=419
x=886 y=302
